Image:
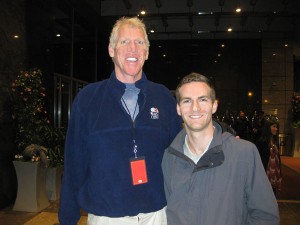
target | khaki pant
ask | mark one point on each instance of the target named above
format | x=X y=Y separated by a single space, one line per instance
x=154 y=218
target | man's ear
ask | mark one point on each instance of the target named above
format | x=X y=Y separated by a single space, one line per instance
x=147 y=54
x=178 y=110
x=111 y=51
x=215 y=107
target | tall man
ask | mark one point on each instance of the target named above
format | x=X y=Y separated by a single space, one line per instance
x=116 y=137
x=213 y=178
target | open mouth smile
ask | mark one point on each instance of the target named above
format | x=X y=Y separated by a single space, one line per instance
x=132 y=59
x=196 y=116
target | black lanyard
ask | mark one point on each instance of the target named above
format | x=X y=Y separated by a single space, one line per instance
x=132 y=125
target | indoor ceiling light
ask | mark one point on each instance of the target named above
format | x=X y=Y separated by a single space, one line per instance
x=143 y=10
x=152 y=30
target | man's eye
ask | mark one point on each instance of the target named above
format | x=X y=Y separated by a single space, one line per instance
x=123 y=42
x=140 y=42
x=186 y=101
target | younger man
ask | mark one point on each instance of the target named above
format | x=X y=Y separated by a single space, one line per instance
x=213 y=178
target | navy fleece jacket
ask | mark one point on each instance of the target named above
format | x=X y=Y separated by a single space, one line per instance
x=99 y=144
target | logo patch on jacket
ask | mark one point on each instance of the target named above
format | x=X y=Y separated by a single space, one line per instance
x=154 y=113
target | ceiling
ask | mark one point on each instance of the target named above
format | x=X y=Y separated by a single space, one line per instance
x=184 y=19
x=207 y=19
x=234 y=69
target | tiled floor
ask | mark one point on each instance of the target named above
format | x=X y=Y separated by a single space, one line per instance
x=288 y=201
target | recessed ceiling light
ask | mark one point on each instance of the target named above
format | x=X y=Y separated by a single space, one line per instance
x=238 y=9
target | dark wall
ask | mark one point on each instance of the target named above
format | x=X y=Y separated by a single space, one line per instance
x=12 y=58
x=235 y=69
x=40 y=37
x=32 y=22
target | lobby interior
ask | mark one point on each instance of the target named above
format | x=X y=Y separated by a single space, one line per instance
x=256 y=66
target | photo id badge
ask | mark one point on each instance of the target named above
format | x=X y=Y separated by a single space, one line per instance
x=138 y=170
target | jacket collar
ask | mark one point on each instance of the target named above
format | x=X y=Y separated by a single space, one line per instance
x=212 y=158
x=141 y=83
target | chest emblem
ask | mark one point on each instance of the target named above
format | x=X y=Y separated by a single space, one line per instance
x=154 y=113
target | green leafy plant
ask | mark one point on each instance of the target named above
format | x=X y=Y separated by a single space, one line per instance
x=296 y=109
x=31 y=118
x=54 y=139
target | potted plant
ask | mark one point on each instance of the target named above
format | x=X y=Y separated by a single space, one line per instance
x=54 y=140
x=31 y=118
x=38 y=142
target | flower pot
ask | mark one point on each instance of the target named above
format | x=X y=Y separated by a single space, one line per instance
x=296 y=142
x=31 y=194
x=53 y=182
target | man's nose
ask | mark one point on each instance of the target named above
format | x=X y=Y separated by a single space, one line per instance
x=132 y=46
x=195 y=106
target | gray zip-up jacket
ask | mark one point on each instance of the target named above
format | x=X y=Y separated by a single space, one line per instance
x=228 y=186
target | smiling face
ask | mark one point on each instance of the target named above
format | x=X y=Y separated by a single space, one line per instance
x=196 y=106
x=129 y=54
